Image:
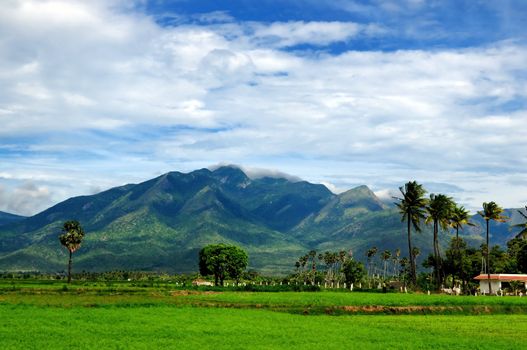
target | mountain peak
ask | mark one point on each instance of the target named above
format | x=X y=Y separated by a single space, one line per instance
x=361 y=196
x=231 y=175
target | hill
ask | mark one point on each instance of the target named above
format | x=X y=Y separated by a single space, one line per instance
x=7 y=218
x=160 y=224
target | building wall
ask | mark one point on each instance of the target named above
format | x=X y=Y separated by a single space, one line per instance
x=484 y=286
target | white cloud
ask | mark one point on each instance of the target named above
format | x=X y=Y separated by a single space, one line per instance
x=280 y=34
x=25 y=199
x=184 y=97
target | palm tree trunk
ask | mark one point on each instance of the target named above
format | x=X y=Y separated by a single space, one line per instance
x=69 y=268
x=457 y=257
x=488 y=259
x=436 y=256
x=412 y=261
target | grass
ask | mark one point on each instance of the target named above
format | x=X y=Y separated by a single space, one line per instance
x=32 y=327
x=122 y=316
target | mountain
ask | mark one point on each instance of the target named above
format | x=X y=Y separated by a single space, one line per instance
x=340 y=212
x=161 y=224
x=7 y=218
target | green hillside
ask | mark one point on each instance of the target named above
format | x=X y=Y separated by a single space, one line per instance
x=7 y=218
x=162 y=223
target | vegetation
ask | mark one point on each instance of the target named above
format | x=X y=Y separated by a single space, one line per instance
x=222 y=261
x=439 y=209
x=122 y=316
x=166 y=327
x=411 y=207
x=162 y=223
x=491 y=211
x=523 y=233
x=71 y=238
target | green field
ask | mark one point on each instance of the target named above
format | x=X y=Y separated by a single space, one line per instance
x=39 y=316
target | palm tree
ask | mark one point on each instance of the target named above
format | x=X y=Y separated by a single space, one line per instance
x=371 y=254
x=313 y=256
x=460 y=217
x=71 y=238
x=439 y=209
x=385 y=257
x=416 y=252
x=395 y=258
x=491 y=211
x=411 y=208
x=523 y=232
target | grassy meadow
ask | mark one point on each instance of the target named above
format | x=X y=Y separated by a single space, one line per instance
x=126 y=316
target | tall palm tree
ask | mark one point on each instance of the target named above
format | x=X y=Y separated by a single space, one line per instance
x=460 y=216
x=395 y=257
x=411 y=209
x=371 y=254
x=491 y=211
x=439 y=209
x=71 y=238
x=523 y=233
x=385 y=257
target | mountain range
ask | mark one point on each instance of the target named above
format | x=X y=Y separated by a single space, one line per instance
x=160 y=224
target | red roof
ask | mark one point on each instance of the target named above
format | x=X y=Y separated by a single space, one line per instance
x=505 y=277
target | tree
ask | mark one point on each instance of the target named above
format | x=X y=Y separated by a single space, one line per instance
x=353 y=271
x=371 y=254
x=71 y=238
x=222 y=260
x=459 y=217
x=411 y=208
x=491 y=211
x=395 y=257
x=517 y=251
x=439 y=209
x=523 y=233
x=385 y=257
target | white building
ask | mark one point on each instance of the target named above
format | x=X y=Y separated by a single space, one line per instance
x=202 y=282
x=496 y=280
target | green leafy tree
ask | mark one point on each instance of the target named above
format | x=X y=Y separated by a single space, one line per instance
x=353 y=271
x=517 y=251
x=491 y=211
x=222 y=261
x=71 y=238
x=439 y=210
x=522 y=259
x=411 y=207
x=523 y=233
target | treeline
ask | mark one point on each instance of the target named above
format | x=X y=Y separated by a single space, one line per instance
x=440 y=211
x=331 y=269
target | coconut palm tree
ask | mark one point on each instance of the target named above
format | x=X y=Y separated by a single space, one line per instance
x=385 y=257
x=491 y=211
x=395 y=257
x=523 y=233
x=411 y=209
x=371 y=254
x=459 y=217
x=439 y=209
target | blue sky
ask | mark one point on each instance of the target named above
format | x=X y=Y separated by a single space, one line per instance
x=95 y=94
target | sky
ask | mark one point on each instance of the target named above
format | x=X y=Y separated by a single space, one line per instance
x=100 y=93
